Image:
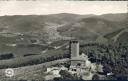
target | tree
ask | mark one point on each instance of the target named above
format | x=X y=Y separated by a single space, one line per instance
x=95 y=77
x=65 y=75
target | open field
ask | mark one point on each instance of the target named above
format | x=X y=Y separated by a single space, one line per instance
x=29 y=72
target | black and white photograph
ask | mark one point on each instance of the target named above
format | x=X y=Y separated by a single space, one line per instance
x=63 y=40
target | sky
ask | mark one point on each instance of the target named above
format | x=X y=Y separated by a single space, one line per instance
x=13 y=7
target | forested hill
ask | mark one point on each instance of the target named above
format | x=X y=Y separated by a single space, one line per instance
x=83 y=27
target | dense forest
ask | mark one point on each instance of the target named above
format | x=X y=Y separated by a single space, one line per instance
x=114 y=58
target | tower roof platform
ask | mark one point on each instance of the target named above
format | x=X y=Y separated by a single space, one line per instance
x=74 y=41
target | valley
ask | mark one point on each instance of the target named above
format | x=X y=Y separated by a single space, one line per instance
x=34 y=40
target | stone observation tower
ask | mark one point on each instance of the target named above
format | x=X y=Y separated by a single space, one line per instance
x=78 y=62
x=74 y=48
x=76 y=59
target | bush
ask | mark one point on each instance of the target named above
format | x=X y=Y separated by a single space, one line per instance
x=6 y=56
x=95 y=77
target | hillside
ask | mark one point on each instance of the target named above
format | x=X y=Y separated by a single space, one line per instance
x=37 y=29
x=90 y=28
x=114 y=17
x=25 y=23
x=119 y=36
